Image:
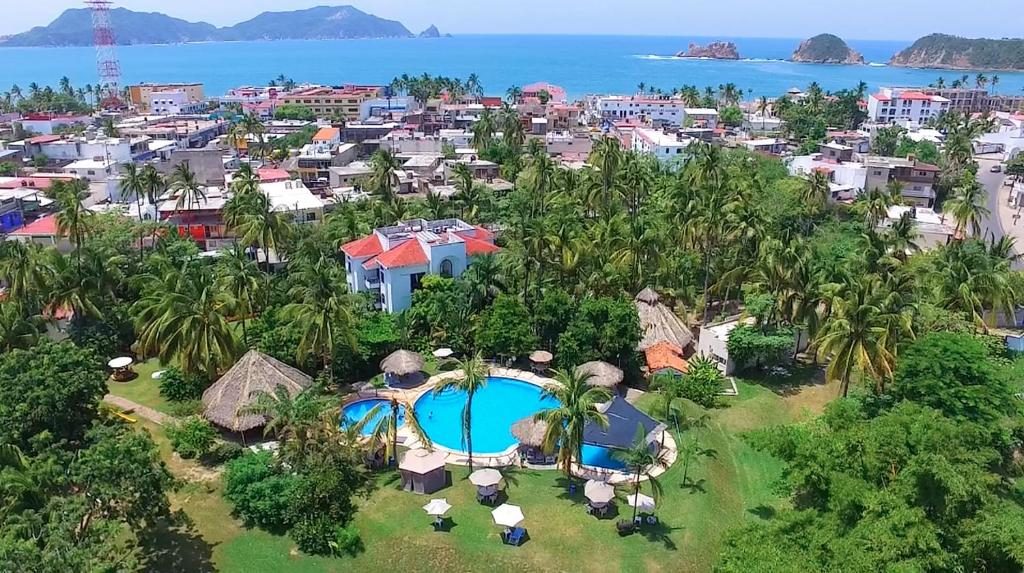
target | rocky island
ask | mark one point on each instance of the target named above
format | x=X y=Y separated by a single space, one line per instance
x=956 y=53
x=826 y=49
x=714 y=51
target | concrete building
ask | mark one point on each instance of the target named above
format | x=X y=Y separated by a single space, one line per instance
x=395 y=106
x=665 y=146
x=173 y=102
x=974 y=100
x=391 y=262
x=188 y=132
x=655 y=111
x=45 y=123
x=847 y=178
x=140 y=95
x=932 y=230
x=898 y=105
x=713 y=343
x=92 y=169
x=769 y=146
x=700 y=117
x=918 y=179
x=326 y=102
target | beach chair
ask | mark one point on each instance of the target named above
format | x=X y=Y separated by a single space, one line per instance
x=516 y=536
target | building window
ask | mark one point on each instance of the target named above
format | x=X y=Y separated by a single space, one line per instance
x=415 y=282
x=446 y=268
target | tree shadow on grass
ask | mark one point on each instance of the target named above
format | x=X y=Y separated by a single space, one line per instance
x=789 y=381
x=694 y=486
x=660 y=533
x=763 y=511
x=174 y=545
x=576 y=497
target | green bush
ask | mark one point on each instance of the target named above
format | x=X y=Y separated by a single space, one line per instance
x=702 y=382
x=223 y=452
x=178 y=387
x=259 y=494
x=192 y=437
x=185 y=409
x=319 y=535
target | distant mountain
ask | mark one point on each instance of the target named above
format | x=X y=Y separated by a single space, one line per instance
x=956 y=53
x=826 y=49
x=74 y=28
x=431 y=32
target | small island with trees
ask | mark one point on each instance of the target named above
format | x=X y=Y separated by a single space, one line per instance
x=956 y=53
x=713 y=51
x=826 y=49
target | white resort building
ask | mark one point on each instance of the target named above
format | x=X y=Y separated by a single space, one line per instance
x=391 y=262
x=913 y=107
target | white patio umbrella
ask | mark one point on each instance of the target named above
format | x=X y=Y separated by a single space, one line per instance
x=486 y=477
x=640 y=501
x=508 y=515
x=122 y=362
x=443 y=353
x=437 y=507
x=599 y=491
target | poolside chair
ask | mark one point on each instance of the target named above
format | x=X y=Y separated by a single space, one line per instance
x=516 y=536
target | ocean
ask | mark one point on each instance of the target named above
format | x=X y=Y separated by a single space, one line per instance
x=580 y=64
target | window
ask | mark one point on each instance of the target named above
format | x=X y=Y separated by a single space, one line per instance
x=446 y=268
x=415 y=282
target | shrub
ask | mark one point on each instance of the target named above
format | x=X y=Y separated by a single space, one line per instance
x=347 y=541
x=223 y=452
x=178 y=387
x=185 y=409
x=702 y=383
x=192 y=437
x=320 y=536
x=260 y=495
x=753 y=346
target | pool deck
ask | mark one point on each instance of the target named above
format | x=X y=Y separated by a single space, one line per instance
x=510 y=457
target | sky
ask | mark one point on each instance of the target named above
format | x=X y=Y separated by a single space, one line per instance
x=873 y=20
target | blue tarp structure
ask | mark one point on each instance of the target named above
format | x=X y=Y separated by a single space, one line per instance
x=623 y=420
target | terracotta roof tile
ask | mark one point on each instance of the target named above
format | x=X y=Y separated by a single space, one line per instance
x=476 y=247
x=46 y=226
x=665 y=355
x=366 y=247
x=408 y=254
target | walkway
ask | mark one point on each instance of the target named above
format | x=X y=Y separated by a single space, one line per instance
x=129 y=407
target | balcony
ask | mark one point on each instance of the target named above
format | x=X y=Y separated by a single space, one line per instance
x=372 y=282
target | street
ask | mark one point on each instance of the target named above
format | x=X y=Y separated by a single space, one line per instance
x=1001 y=220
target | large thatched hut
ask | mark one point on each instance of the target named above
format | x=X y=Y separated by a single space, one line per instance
x=224 y=402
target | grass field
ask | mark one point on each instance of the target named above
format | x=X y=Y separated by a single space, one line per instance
x=143 y=389
x=727 y=486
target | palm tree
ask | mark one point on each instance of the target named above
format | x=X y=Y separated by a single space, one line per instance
x=385 y=430
x=902 y=235
x=16 y=329
x=290 y=418
x=22 y=270
x=483 y=129
x=980 y=81
x=383 y=180
x=250 y=124
x=182 y=318
x=641 y=461
x=185 y=185
x=72 y=217
x=995 y=82
x=474 y=377
x=854 y=336
x=940 y=83
x=320 y=311
x=968 y=205
x=133 y=184
x=242 y=279
x=80 y=287
x=514 y=94
x=578 y=406
x=252 y=219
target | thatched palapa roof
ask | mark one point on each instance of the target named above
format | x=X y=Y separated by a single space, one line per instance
x=402 y=363
x=541 y=356
x=238 y=388
x=658 y=323
x=530 y=432
x=600 y=374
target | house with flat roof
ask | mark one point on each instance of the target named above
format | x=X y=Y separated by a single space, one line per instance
x=916 y=178
x=391 y=262
x=667 y=147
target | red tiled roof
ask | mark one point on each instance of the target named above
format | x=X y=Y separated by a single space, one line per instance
x=925 y=166
x=476 y=247
x=371 y=263
x=407 y=254
x=44 y=139
x=881 y=97
x=327 y=134
x=915 y=96
x=45 y=226
x=28 y=183
x=366 y=247
x=269 y=175
x=480 y=233
x=665 y=355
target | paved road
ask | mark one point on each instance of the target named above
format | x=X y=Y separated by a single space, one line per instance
x=1001 y=220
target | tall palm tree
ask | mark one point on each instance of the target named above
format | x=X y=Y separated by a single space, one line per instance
x=320 y=311
x=474 y=378
x=253 y=220
x=514 y=94
x=133 y=184
x=81 y=287
x=578 y=406
x=250 y=124
x=854 y=336
x=383 y=421
x=383 y=179
x=242 y=279
x=16 y=329
x=185 y=185
x=290 y=419
x=22 y=269
x=968 y=205
x=183 y=318
x=73 y=219
x=641 y=461
x=484 y=129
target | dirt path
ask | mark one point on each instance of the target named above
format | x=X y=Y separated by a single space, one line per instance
x=138 y=409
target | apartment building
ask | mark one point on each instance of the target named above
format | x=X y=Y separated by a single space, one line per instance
x=345 y=101
x=976 y=100
x=656 y=111
x=918 y=179
x=391 y=262
x=140 y=95
x=174 y=102
x=898 y=105
x=665 y=146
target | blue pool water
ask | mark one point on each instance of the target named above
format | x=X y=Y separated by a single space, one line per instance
x=501 y=403
x=356 y=411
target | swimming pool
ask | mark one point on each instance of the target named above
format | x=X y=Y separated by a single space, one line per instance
x=501 y=403
x=356 y=411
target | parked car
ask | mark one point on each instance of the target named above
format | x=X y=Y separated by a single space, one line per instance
x=997 y=168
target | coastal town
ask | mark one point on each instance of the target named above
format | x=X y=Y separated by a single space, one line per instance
x=430 y=323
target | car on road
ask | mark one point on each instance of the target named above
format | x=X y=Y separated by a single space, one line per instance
x=997 y=168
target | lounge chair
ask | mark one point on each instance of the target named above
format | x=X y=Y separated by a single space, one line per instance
x=515 y=537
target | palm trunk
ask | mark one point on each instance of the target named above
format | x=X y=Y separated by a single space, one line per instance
x=138 y=204
x=469 y=429
x=636 y=494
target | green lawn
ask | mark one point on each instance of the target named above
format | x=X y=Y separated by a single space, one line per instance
x=143 y=389
x=727 y=486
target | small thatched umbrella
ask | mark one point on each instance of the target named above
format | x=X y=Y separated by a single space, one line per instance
x=541 y=357
x=238 y=388
x=529 y=432
x=402 y=363
x=600 y=374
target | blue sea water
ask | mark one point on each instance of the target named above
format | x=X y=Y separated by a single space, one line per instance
x=580 y=64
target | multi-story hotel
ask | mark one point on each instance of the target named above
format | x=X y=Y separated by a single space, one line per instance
x=899 y=105
x=327 y=101
x=141 y=95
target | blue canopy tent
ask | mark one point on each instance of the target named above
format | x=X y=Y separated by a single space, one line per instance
x=623 y=420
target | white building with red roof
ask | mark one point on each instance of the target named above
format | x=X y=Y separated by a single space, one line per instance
x=905 y=106
x=391 y=262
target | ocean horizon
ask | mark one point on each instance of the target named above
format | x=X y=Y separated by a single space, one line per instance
x=582 y=64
